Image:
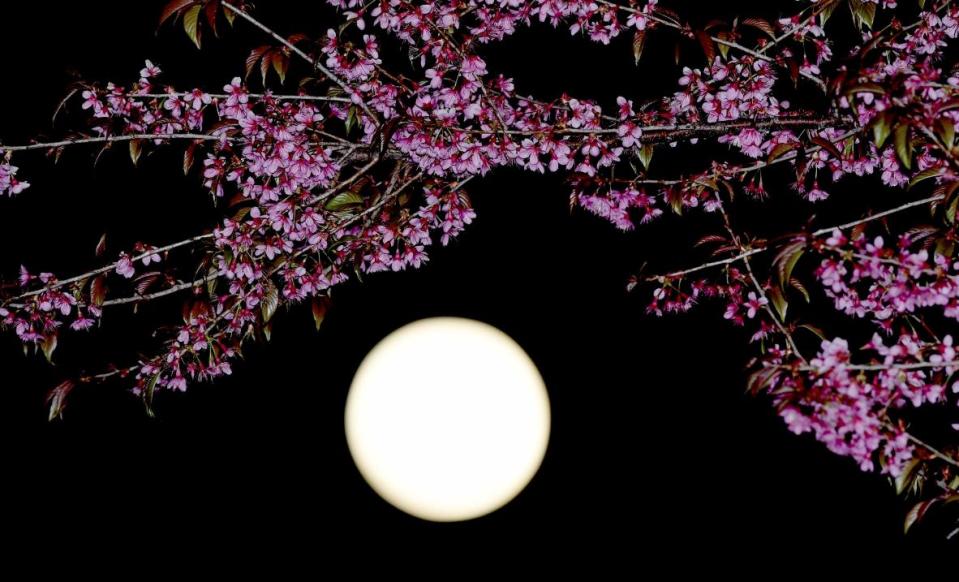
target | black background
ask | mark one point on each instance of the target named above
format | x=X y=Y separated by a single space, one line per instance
x=655 y=451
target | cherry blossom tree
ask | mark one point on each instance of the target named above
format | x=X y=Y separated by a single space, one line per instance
x=363 y=169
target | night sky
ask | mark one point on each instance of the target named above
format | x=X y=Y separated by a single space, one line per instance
x=655 y=447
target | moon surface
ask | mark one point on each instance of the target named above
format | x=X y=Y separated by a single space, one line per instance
x=447 y=419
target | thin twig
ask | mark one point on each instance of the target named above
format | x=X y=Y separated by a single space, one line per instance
x=113 y=139
x=315 y=63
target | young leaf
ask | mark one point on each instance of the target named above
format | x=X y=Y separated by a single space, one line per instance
x=101 y=246
x=48 y=346
x=281 y=63
x=780 y=150
x=191 y=24
x=880 y=129
x=188 y=157
x=646 y=155
x=320 y=307
x=57 y=399
x=709 y=47
x=212 y=7
x=136 y=149
x=778 y=300
x=639 y=42
x=148 y=393
x=828 y=146
x=918 y=510
x=946 y=130
x=253 y=58
x=172 y=8
x=762 y=25
x=269 y=303
x=787 y=258
x=925 y=175
x=344 y=200
x=98 y=290
x=903 y=147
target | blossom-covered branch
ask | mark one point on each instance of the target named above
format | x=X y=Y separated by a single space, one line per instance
x=362 y=172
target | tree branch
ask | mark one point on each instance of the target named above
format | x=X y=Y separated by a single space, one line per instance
x=315 y=63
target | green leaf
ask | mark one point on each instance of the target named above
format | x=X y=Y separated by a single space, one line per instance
x=191 y=24
x=864 y=13
x=781 y=150
x=951 y=210
x=946 y=130
x=148 y=392
x=229 y=15
x=172 y=8
x=269 y=303
x=880 y=129
x=723 y=48
x=351 y=118
x=646 y=155
x=778 y=300
x=903 y=147
x=798 y=286
x=344 y=200
x=827 y=11
x=925 y=175
x=810 y=327
x=946 y=247
x=787 y=258
x=918 y=510
x=906 y=477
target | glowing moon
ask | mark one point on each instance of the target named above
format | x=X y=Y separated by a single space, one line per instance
x=447 y=419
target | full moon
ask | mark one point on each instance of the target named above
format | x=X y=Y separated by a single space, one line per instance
x=447 y=419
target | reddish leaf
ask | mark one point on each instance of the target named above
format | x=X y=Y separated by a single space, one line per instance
x=254 y=56
x=188 y=157
x=191 y=24
x=48 y=346
x=136 y=149
x=320 y=306
x=760 y=24
x=828 y=146
x=101 y=245
x=917 y=512
x=57 y=399
x=212 y=7
x=781 y=150
x=639 y=43
x=98 y=290
x=172 y=8
x=281 y=63
x=709 y=47
x=147 y=280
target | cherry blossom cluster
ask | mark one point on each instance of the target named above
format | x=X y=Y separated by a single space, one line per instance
x=868 y=278
x=9 y=185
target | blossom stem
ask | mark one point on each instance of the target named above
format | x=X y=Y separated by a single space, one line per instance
x=822 y=231
x=717 y=40
x=113 y=139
